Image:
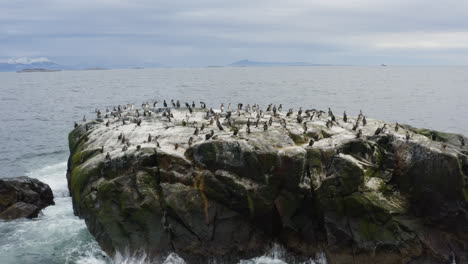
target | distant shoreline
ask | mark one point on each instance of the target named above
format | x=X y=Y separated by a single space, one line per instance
x=37 y=70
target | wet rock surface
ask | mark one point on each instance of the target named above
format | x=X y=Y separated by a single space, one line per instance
x=23 y=197
x=165 y=180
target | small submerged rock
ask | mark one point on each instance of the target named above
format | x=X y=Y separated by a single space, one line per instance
x=220 y=185
x=23 y=197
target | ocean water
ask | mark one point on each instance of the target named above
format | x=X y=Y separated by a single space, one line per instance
x=39 y=109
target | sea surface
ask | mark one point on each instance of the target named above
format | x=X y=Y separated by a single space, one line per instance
x=37 y=111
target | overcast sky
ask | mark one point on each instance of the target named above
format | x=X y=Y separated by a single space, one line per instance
x=217 y=32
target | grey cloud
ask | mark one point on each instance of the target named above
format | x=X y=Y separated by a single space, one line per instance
x=218 y=32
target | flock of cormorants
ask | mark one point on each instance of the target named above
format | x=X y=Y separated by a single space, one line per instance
x=253 y=112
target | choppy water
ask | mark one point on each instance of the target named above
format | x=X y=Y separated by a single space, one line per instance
x=38 y=110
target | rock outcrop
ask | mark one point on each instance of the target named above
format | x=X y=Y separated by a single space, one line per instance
x=23 y=197
x=395 y=197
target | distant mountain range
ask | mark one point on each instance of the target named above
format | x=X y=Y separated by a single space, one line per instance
x=247 y=63
x=11 y=67
x=43 y=64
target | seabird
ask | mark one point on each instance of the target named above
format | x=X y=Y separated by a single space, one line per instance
x=270 y=121
x=364 y=120
x=190 y=141
x=345 y=117
x=178 y=104
x=202 y=126
x=329 y=124
x=359 y=134
x=107 y=156
x=124 y=148
x=265 y=126
x=300 y=119
x=176 y=146
x=356 y=125
x=300 y=111
x=76 y=124
x=172 y=102
x=305 y=126
x=84 y=118
x=155 y=103
x=149 y=138
x=138 y=147
x=120 y=136
x=164 y=103
x=107 y=123
x=203 y=105
x=222 y=107
x=311 y=142
x=235 y=130
x=407 y=135
x=219 y=125
x=196 y=131
x=102 y=149
x=280 y=107
x=209 y=135
x=139 y=122
x=380 y=130
x=396 y=127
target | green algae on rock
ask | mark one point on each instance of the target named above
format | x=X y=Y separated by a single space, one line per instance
x=375 y=199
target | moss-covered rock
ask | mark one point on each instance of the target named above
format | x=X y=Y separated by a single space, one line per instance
x=158 y=187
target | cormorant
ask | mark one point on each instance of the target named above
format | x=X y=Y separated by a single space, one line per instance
x=209 y=135
x=76 y=124
x=196 y=131
x=107 y=123
x=359 y=134
x=107 y=156
x=84 y=118
x=265 y=126
x=172 y=102
x=176 y=146
x=193 y=104
x=311 y=142
x=149 y=138
x=345 y=117
x=356 y=125
x=396 y=127
x=270 y=121
x=202 y=126
x=138 y=147
x=164 y=103
x=190 y=141
x=102 y=149
x=364 y=120
x=219 y=125
x=178 y=104
x=300 y=111
x=300 y=119
x=380 y=130
x=139 y=122
x=155 y=103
